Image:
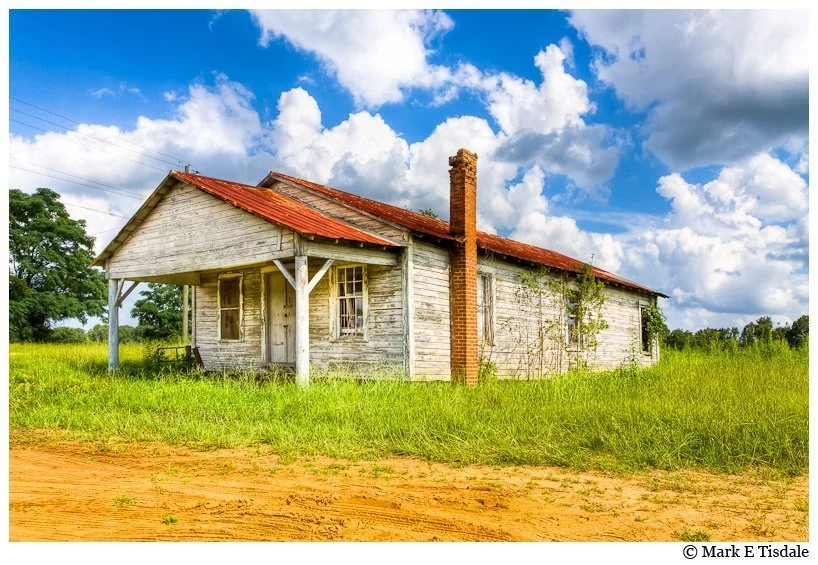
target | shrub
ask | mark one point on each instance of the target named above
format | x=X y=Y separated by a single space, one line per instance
x=67 y=335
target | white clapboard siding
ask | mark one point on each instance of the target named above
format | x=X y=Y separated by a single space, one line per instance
x=190 y=230
x=229 y=355
x=381 y=353
x=430 y=281
x=517 y=328
x=517 y=323
x=382 y=350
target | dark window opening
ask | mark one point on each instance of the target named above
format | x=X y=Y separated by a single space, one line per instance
x=646 y=345
x=230 y=307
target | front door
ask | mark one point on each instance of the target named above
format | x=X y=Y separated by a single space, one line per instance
x=280 y=316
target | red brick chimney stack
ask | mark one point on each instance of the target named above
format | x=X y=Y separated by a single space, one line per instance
x=463 y=266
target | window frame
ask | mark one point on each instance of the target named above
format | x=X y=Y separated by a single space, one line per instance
x=649 y=351
x=571 y=345
x=227 y=276
x=335 y=310
x=488 y=310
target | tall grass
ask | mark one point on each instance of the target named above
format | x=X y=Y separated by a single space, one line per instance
x=714 y=411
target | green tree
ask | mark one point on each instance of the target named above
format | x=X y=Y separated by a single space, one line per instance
x=159 y=312
x=99 y=333
x=49 y=274
x=62 y=334
x=760 y=331
x=127 y=334
x=798 y=334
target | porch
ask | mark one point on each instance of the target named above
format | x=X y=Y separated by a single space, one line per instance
x=268 y=319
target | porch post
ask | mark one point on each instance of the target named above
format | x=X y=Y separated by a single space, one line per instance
x=302 y=321
x=113 y=324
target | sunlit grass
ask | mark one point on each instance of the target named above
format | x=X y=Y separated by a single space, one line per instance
x=723 y=412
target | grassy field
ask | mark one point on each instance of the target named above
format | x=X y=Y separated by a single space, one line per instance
x=712 y=411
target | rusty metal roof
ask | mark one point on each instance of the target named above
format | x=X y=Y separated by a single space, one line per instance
x=276 y=207
x=264 y=203
x=424 y=225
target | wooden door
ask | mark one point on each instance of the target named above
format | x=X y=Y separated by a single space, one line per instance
x=280 y=301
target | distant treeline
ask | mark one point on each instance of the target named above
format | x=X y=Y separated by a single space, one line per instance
x=99 y=333
x=758 y=333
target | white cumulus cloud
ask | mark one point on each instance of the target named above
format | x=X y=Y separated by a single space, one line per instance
x=375 y=54
x=718 y=86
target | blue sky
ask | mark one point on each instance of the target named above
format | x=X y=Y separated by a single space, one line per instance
x=664 y=146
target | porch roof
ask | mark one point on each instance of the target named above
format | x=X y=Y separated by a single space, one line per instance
x=262 y=202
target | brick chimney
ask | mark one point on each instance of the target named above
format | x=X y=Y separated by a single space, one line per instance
x=463 y=266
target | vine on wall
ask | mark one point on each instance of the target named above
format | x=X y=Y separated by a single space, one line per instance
x=545 y=340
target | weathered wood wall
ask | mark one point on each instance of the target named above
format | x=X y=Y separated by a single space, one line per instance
x=190 y=230
x=430 y=280
x=381 y=354
x=246 y=352
x=518 y=322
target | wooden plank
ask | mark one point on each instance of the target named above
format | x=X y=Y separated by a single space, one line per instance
x=343 y=252
x=408 y=292
x=287 y=276
x=321 y=272
x=114 y=286
x=302 y=321
x=122 y=297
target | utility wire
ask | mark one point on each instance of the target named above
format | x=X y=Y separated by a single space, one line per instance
x=74 y=182
x=96 y=138
x=92 y=147
x=120 y=190
x=94 y=210
x=76 y=122
x=106 y=231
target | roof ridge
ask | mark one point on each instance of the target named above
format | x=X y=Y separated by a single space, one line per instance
x=415 y=221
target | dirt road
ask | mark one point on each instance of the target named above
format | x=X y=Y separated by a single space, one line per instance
x=62 y=490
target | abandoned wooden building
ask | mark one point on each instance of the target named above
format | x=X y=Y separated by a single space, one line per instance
x=294 y=273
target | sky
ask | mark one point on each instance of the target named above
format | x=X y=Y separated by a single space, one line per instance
x=669 y=147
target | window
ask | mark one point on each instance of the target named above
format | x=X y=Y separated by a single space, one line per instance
x=485 y=310
x=230 y=308
x=351 y=300
x=572 y=337
x=646 y=344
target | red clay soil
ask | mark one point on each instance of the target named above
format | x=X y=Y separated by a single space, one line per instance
x=68 y=490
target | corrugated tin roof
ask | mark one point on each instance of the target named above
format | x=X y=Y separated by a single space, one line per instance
x=425 y=225
x=280 y=209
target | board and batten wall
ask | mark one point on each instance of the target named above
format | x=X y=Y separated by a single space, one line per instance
x=516 y=322
x=379 y=355
x=190 y=231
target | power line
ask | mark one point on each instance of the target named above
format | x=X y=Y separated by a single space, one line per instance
x=109 y=230
x=96 y=138
x=120 y=190
x=95 y=210
x=76 y=122
x=91 y=146
x=75 y=182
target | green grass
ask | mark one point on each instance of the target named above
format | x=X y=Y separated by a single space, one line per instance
x=717 y=412
x=124 y=501
x=689 y=535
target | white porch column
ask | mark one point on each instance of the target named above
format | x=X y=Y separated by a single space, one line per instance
x=302 y=321
x=113 y=324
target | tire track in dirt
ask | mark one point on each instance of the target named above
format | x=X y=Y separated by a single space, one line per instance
x=63 y=490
